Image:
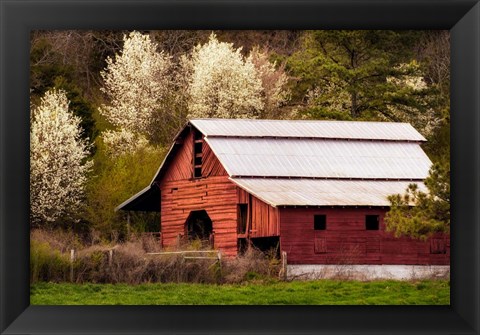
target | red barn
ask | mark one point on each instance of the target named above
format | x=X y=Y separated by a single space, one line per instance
x=318 y=188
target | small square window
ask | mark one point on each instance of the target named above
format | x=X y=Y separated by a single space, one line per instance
x=372 y=222
x=319 y=222
x=438 y=246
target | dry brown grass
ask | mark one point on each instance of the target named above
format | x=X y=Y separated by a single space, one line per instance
x=130 y=262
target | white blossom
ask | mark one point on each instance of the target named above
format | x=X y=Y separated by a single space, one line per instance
x=223 y=83
x=58 y=165
x=412 y=79
x=123 y=141
x=136 y=82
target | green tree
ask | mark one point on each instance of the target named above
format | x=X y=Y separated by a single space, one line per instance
x=116 y=178
x=361 y=74
x=419 y=214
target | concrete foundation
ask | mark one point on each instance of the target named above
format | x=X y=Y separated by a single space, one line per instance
x=367 y=272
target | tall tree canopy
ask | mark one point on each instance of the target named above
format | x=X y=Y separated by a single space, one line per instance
x=419 y=214
x=223 y=82
x=136 y=83
x=361 y=74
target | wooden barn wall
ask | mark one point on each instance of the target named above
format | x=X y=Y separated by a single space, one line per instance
x=181 y=194
x=346 y=241
x=180 y=167
x=211 y=166
x=263 y=217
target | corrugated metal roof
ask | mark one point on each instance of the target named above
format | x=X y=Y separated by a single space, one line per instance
x=315 y=192
x=320 y=158
x=305 y=128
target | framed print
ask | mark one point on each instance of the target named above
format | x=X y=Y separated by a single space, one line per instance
x=20 y=18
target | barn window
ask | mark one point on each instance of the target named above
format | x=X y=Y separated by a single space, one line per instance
x=197 y=154
x=372 y=222
x=319 y=222
x=438 y=246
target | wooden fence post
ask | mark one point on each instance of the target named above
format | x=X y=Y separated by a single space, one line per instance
x=72 y=260
x=219 y=256
x=179 y=241
x=110 y=257
x=284 y=265
x=128 y=225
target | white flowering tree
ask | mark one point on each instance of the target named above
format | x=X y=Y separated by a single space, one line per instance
x=123 y=141
x=136 y=84
x=58 y=162
x=223 y=83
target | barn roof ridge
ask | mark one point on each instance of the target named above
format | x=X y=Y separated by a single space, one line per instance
x=314 y=129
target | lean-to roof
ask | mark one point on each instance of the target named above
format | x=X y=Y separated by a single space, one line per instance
x=320 y=192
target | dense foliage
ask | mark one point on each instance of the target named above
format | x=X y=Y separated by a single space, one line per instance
x=431 y=212
x=223 y=83
x=136 y=89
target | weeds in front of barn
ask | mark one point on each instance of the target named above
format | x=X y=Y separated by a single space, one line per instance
x=132 y=262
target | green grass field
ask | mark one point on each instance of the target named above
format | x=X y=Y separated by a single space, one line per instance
x=321 y=292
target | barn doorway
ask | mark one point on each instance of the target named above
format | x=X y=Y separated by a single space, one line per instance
x=199 y=227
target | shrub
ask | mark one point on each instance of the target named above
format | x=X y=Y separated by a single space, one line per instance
x=47 y=264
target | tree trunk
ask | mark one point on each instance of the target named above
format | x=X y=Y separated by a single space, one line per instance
x=354 y=106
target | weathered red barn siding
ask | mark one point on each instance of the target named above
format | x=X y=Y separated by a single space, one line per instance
x=262 y=218
x=211 y=166
x=346 y=240
x=181 y=194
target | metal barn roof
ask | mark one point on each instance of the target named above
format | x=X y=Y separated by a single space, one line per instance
x=320 y=158
x=388 y=131
x=316 y=192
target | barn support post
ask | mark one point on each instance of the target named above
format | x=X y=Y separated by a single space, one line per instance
x=219 y=259
x=72 y=260
x=128 y=224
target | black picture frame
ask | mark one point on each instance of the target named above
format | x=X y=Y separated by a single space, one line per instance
x=19 y=17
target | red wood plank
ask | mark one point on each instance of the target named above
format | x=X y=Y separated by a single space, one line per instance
x=347 y=240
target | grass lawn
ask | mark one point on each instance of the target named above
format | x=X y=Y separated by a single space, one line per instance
x=321 y=292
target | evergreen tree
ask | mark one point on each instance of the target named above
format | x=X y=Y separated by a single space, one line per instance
x=359 y=74
x=419 y=214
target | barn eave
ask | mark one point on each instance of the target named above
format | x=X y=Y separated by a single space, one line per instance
x=147 y=200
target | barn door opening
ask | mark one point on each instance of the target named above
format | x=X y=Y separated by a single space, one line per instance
x=199 y=227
